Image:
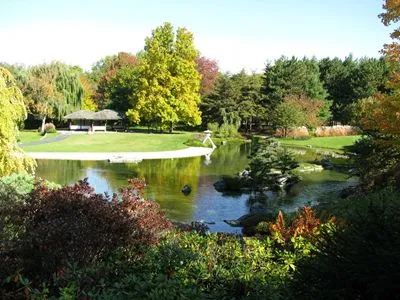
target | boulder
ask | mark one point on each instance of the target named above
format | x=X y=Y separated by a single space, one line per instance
x=248 y=220
x=187 y=189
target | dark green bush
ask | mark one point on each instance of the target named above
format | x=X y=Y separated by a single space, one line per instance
x=361 y=259
x=192 y=266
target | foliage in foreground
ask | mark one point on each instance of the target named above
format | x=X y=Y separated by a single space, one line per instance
x=72 y=243
x=191 y=265
x=74 y=226
x=361 y=259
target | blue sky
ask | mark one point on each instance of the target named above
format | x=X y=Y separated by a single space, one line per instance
x=237 y=33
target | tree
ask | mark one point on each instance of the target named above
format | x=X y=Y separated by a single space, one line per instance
x=88 y=102
x=249 y=103
x=380 y=118
x=208 y=70
x=291 y=77
x=12 y=112
x=116 y=81
x=286 y=116
x=53 y=90
x=235 y=94
x=121 y=88
x=350 y=80
x=267 y=156
x=168 y=82
x=225 y=96
x=315 y=111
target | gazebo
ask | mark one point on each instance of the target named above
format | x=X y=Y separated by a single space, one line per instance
x=91 y=121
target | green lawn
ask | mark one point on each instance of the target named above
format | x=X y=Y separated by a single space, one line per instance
x=330 y=142
x=115 y=142
x=33 y=136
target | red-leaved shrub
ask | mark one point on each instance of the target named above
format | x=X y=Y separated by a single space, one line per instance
x=74 y=225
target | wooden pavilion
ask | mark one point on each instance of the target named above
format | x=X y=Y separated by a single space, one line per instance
x=91 y=121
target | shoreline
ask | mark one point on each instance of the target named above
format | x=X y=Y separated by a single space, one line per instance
x=122 y=157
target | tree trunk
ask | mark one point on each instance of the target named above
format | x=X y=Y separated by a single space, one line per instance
x=43 y=123
x=171 y=128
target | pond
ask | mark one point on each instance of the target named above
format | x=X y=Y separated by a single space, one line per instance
x=165 y=179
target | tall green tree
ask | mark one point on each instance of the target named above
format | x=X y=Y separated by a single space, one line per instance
x=286 y=116
x=225 y=95
x=12 y=112
x=235 y=94
x=115 y=84
x=53 y=90
x=168 y=82
x=291 y=77
x=350 y=80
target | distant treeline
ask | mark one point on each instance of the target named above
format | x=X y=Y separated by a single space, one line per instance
x=290 y=92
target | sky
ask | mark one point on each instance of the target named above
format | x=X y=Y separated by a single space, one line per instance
x=238 y=34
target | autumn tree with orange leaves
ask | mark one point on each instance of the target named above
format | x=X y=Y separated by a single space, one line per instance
x=378 y=154
x=382 y=113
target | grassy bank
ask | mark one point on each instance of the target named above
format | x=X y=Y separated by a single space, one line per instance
x=331 y=142
x=33 y=136
x=115 y=142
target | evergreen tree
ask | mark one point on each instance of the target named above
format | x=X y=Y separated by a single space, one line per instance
x=291 y=77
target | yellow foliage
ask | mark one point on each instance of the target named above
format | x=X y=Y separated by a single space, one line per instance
x=88 y=95
x=12 y=112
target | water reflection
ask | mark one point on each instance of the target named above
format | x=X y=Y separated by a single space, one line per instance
x=165 y=179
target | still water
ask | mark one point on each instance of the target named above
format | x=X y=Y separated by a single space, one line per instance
x=165 y=179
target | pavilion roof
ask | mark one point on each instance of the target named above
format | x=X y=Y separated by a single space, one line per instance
x=81 y=115
x=106 y=114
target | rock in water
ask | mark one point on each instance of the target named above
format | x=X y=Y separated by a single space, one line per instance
x=186 y=190
x=248 y=220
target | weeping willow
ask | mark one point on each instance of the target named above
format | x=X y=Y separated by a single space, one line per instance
x=55 y=90
x=12 y=112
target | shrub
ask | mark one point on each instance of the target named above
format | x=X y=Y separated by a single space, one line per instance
x=14 y=190
x=294 y=132
x=214 y=266
x=20 y=183
x=267 y=157
x=194 y=143
x=73 y=225
x=23 y=183
x=305 y=224
x=214 y=127
x=50 y=128
x=338 y=130
x=359 y=261
x=227 y=131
